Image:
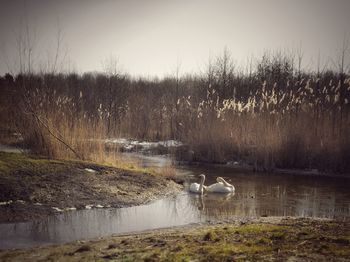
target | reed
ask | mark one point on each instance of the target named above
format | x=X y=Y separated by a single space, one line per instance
x=272 y=117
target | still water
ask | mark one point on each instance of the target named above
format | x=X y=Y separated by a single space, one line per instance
x=256 y=195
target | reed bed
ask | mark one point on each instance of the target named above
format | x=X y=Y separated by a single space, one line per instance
x=274 y=116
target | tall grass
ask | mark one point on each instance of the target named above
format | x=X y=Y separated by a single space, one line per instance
x=56 y=137
x=49 y=124
x=302 y=127
x=274 y=116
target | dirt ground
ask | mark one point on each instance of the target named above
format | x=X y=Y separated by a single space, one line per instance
x=264 y=239
x=33 y=187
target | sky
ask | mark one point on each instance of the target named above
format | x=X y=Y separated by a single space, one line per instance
x=154 y=37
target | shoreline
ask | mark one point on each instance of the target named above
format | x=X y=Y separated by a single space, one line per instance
x=246 y=239
x=35 y=180
x=243 y=167
x=277 y=171
x=33 y=188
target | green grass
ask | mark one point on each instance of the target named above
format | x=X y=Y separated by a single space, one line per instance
x=221 y=243
x=14 y=162
x=229 y=242
x=258 y=228
x=26 y=163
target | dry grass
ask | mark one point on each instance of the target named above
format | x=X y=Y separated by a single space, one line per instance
x=274 y=117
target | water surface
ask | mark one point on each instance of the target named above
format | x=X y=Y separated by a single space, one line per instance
x=256 y=195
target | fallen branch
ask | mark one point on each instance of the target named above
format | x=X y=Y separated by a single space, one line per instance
x=60 y=139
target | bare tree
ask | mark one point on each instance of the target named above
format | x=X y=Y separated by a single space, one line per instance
x=174 y=122
x=342 y=68
x=300 y=56
x=112 y=68
x=25 y=43
x=224 y=71
x=111 y=65
x=31 y=100
x=56 y=62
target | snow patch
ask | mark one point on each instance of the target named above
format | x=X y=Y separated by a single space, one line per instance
x=130 y=144
x=57 y=209
x=90 y=170
x=6 y=203
x=70 y=209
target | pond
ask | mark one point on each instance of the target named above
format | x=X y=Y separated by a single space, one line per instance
x=256 y=195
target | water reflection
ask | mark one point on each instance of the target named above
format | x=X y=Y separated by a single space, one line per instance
x=255 y=196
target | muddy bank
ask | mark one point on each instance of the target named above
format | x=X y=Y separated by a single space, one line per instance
x=33 y=187
x=261 y=239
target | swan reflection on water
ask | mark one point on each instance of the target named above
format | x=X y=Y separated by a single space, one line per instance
x=220 y=199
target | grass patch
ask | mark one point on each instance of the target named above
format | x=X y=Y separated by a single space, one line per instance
x=253 y=242
x=26 y=163
x=210 y=236
x=258 y=228
x=14 y=162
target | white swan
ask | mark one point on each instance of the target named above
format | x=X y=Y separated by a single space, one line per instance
x=220 y=187
x=198 y=188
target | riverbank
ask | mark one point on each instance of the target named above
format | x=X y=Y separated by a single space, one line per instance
x=273 y=238
x=243 y=167
x=33 y=187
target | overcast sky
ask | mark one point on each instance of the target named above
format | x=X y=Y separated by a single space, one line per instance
x=150 y=36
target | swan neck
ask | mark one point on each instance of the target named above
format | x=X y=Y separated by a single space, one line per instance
x=225 y=183
x=201 y=185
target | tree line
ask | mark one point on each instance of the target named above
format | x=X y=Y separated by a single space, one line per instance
x=271 y=114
